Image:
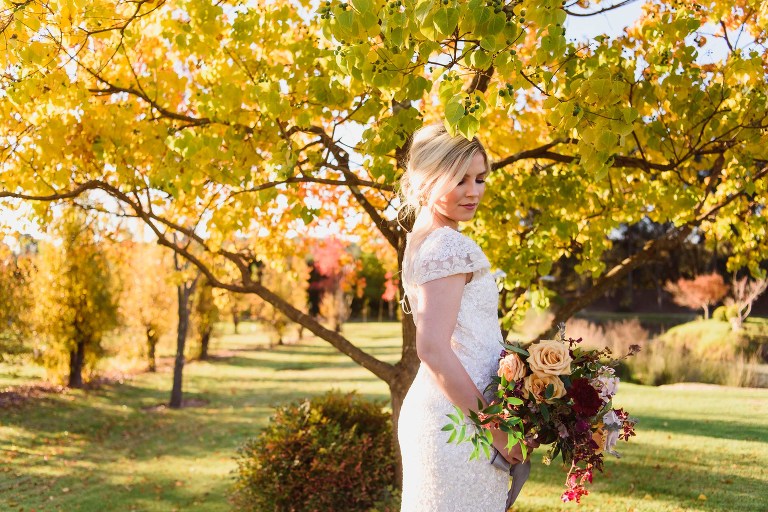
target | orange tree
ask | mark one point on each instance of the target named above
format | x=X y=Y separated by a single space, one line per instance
x=217 y=120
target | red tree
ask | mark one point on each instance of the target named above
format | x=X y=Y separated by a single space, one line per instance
x=700 y=292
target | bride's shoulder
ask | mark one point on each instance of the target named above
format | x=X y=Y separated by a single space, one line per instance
x=446 y=241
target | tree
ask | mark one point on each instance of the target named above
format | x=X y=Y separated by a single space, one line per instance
x=744 y=293
x=206 y=316
x=700 y=292
x=231 y=117
x=289 y=278
x=75 y=298
x=147 y=295
x=338 y=282
x=186 y=282
x=16 y=273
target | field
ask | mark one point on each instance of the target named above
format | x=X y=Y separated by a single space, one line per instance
x=117 y=448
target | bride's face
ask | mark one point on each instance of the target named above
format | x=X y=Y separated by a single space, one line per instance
x=460 y=204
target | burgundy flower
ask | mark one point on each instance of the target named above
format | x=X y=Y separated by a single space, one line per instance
x=586 y=400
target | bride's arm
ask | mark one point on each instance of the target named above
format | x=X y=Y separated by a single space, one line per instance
x=437 y=313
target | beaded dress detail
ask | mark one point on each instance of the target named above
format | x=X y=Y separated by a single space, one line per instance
x=439 y=477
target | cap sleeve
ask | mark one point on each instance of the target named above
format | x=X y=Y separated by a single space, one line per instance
x=446 y=252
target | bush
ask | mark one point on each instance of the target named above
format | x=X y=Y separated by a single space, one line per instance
x=705 y=339
x=701 y=351
x=332 y=452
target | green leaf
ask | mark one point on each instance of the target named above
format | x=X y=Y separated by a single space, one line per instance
x=494 y=409
x=422 y=10
x=362 y=6
x=468 y=126
x=488 y=43
x=454 y=110
x=345 y=20
x=549 y=391
x=496 y=24
x=515 y=348
x=446 y=20
x=447 y=428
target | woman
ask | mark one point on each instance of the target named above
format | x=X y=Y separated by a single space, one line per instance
x=453 y=299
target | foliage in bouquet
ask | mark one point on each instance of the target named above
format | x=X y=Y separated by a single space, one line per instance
x=559 y=394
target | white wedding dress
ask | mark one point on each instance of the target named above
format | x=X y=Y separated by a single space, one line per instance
x=438 y=477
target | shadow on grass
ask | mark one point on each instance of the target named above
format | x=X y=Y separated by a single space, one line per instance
x=90 y=491
x=677 y=477
x=75 y=446
x=716 y=428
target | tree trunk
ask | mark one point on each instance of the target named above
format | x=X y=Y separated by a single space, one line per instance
x=236 y=321
x=183 y=293
x=205 y=340
x=151 y=351
x=76 y=360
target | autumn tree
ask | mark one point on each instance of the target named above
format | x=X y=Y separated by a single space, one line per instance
x=700 y=292
x=237 y=306
x=147 y=295
x=186 y=279
x=206 y=314
x=16 y=274
x=338 y=280
x=75 y=301
x=221 y=120
x=290 y=278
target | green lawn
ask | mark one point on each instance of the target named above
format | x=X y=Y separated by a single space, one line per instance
x=699 y=448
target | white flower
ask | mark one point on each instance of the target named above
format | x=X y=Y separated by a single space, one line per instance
x=606 y=383
x=612 y=426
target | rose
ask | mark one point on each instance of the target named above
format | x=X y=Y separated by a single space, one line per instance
x=586 y=400
x=600 y=436
x=536 y=385
x=550 y=357
x=511 y=368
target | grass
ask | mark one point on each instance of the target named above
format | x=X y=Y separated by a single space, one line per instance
x=698 y=448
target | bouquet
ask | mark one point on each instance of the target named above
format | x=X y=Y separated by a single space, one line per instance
x=559 y=394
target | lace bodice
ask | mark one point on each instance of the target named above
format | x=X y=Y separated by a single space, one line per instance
x=439 y=477
x=477 y=335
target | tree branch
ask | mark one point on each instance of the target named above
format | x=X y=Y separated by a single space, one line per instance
x=601 y=11
x=353 y=182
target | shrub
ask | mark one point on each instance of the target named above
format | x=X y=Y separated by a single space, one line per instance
x=701 y=351
x=705 y=339
x=332 y=452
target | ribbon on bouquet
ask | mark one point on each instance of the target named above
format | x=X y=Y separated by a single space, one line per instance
x=518 y=475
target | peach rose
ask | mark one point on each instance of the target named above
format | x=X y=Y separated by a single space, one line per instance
x=511 y=368
x=599 y=436
x=550 y=357
x=536 y=385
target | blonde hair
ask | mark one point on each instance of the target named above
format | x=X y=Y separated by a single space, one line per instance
x=437 y=162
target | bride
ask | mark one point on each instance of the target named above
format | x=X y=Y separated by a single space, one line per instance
x=453 y=299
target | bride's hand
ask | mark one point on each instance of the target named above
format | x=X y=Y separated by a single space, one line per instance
x=515 y=455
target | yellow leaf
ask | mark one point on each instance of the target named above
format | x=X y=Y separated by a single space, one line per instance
x=702 y=497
